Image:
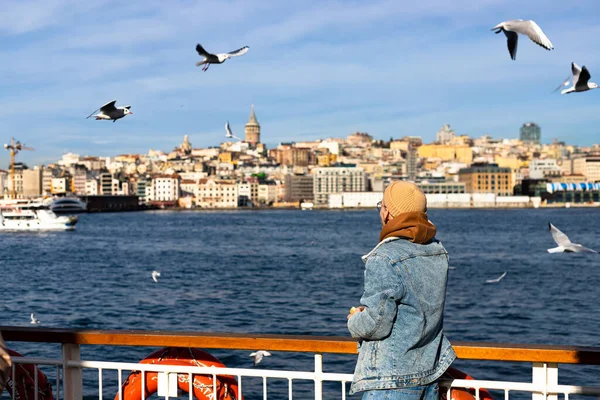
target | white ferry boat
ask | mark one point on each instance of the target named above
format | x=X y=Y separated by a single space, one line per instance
x=306 y=206
x=23 y=215
x=68 y=205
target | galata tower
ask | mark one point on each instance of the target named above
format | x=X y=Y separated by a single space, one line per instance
x=252 y=129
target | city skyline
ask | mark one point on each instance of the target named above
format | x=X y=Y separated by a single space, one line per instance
x=314 y=70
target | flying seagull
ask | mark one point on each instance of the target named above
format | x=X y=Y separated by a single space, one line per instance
x=155 y=275
x=219 y=58
x=258 y=356
x=228 y=133
x=498 y=279
x=581 y=76
x=34 y=320
x=564 y=244
x=512 y=28
x=109 y=111
x=564 y=84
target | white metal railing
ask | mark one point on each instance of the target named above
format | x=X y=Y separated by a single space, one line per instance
x=73 y=377
x=68 y=376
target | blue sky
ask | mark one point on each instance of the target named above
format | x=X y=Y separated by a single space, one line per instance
x=315 y=69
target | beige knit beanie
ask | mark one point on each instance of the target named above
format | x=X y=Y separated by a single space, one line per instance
x=402 y=196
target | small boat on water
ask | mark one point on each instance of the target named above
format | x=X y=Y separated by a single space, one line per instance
x=30 y=216
x=306 y=206
x=68 y=205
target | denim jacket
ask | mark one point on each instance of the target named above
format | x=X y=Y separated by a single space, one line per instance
x=401 y=341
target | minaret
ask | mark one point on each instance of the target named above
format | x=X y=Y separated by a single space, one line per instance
x=252 y=129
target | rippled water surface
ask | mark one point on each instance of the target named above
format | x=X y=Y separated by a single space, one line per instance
x=295 y=272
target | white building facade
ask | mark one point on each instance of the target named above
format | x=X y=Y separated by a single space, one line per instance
x=214 y=193
x=331 y=180
x=165 y=188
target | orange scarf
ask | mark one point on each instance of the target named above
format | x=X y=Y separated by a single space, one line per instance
x=414 y=226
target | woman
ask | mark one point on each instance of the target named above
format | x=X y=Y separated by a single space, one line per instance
x=403 y=350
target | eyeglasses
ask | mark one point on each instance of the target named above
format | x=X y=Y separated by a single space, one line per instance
x=379 y=205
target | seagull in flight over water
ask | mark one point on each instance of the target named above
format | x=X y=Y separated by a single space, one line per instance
x=581 y=77
x=219 y=58
x=564 y=244
x=258 y=356
x=155 y=275
x=34 y=320
x=529 y=28
x=498 y=279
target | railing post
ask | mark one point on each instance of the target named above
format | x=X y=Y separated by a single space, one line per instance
x=544 y=375
x=318 y=377
x=72 y=379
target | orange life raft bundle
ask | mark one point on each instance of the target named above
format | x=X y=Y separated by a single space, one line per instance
x=462 y=393
x=202 y=385
x=23 y=383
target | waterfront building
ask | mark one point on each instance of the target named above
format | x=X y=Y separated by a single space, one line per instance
x=165 y=187
x=267 y=192
x=354 y=199
x=188 y=187
x=248 y=193
x=106 y=185
x=252 y=129
x=91 y=187
x=216 y=193
x=79 y=175
x=60 y=185
x=140 y=188
x=589 y=166
x=32 y=182
x=337 y=180
x=442 y=187
x=583 y=192
x=149 y=192
x=121 y=187
x=530 y=133
x=15 y=178
x=299 y=188
x=487 y=178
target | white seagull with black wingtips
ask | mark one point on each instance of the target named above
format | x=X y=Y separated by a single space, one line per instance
x=564 y=244
x=110 y=112
x=218 y=58
x=228 y=133
x=581 y=77
x=529 y=28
